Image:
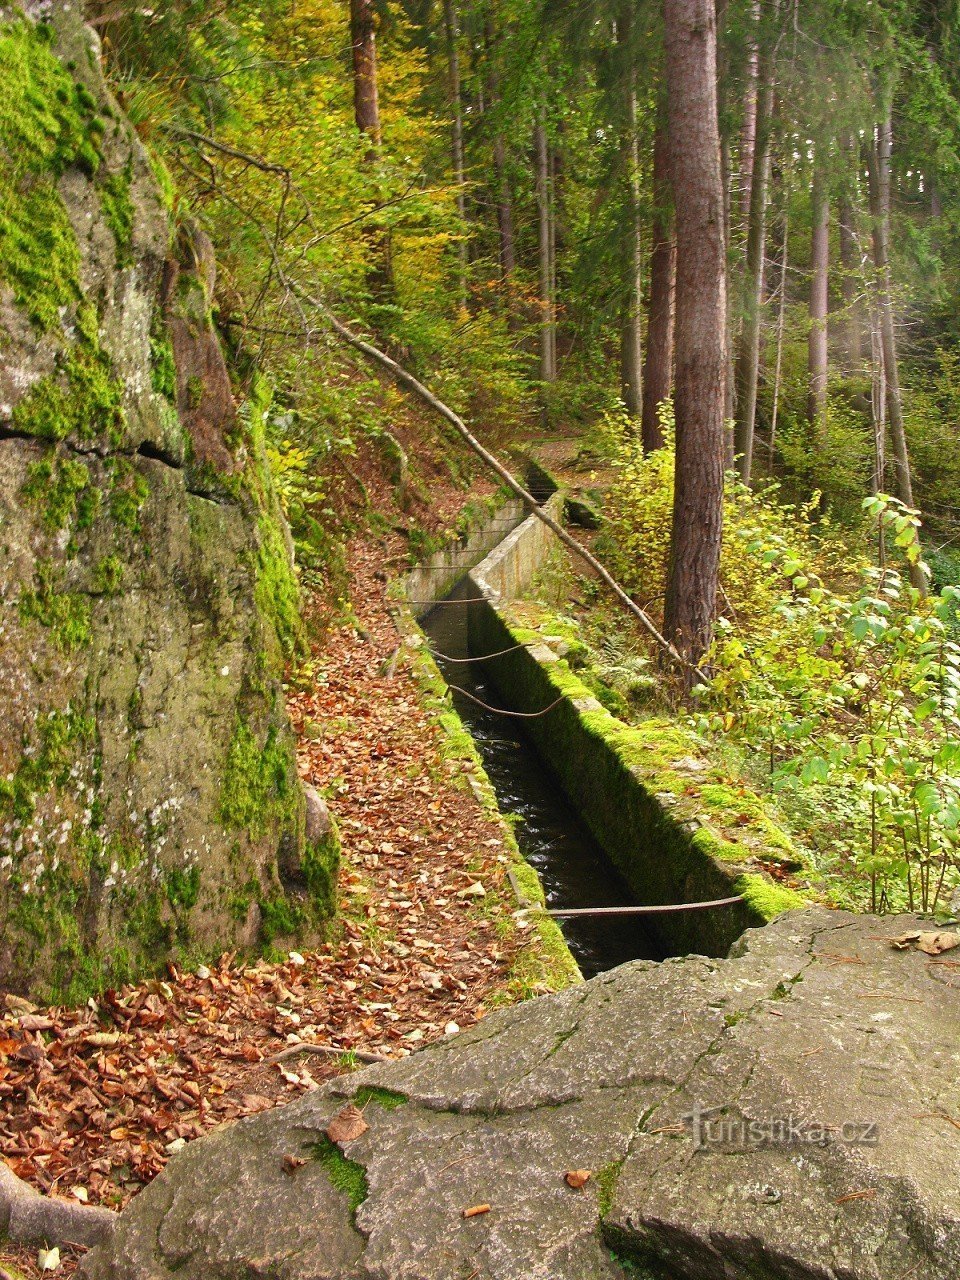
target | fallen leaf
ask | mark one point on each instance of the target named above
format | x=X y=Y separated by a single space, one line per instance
x=578 y=1177
x=290 y=1164
x=476 y=1211
x=905 y=940
x=933 y=944
x=475 y=890
x=347 y=1125
x=48 y=1259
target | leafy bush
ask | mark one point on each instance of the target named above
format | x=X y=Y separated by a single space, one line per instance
x=856 y=696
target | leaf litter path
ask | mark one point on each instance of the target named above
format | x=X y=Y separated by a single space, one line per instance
x=93 y=1101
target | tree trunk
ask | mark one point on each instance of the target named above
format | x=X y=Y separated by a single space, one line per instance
x=850 y=261
x=748 y=355
x=817 y=354
x=366 y=109
x=879 y=179
x=781 y=327
x=552 y=209
x=691 y=78
x=452 y=24
x=658 y=370
x=547 y=320
x=751 y=109
x=363 y=37
x=504 y=199
x=850 y=284
x=508 y=255
x=726 y=177
x=631 y=351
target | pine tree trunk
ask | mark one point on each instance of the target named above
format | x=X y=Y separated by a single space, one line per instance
x=363 y=37
x=508 y=255
x=751 y=108
x=817 y=353
x=691 y=77
x=452 y=24
x=631 y=352
x=546 y=327
x=552 y=240
x=879 y=179
x=850 y=285
x=504 y=197
x=366 y=109
x=658 y=370
x=850 y=264
x=748 y=355
x=726 y=177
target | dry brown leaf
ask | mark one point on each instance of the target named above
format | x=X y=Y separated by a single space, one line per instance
x=905 y=940
x=934 y=943
x=476 y=1211
x=347 y=1125
x=577 y=1177
x=290 y=1164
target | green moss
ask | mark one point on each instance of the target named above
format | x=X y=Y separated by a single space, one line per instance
x=48 y=123
x=108 y=576
x=259 y=782
x=389 y=1099
x=66 y=614
x=766 y=898
x=347 y=1176
x=53 y=488
x=128 y=495
x=321 y=867
x=279 y=918
x=277 y=591
x=183 y=888
x=163 y=368
x=606 y=1180
x=46 y=764
x=118 y=211
x=277 y=588
x=82 y=399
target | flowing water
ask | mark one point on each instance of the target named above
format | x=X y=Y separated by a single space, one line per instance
x=574 y=870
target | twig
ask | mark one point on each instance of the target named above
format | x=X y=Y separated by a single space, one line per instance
x=417 y=387
x=868 y=1193
x=328 y=1049
x=938 y=1115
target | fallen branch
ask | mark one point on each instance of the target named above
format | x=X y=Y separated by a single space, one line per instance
x=328 y=1049
x=27 y=1217
x=412 y=384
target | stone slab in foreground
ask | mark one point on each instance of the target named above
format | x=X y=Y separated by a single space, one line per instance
x=833 y=1062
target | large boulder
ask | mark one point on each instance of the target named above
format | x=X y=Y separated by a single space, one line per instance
x=148 y=785
x=788 y=1113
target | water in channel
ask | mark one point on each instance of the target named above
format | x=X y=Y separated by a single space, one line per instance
x=574 y=870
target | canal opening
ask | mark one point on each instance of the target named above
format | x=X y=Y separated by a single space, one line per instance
x=573 y=868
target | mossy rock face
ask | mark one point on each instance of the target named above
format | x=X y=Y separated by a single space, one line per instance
x=148 y=785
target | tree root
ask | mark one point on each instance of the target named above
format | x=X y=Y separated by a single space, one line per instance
x=27 y=1217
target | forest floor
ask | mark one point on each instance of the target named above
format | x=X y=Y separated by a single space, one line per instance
x=93 y=1101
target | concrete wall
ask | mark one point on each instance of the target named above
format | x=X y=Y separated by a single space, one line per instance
x=512 y=565
x=434 y=577
x=631 y=784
